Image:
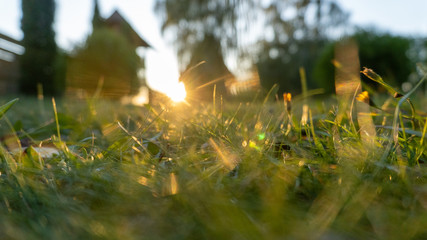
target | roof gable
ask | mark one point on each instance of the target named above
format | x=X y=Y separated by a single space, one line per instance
x=116 y=21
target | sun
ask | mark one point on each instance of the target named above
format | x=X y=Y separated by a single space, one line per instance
x=176 y=92
x=163 y=75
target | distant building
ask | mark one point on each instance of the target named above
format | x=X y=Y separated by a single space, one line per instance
x=119 y=24
x=114 y=87
x=10 y=49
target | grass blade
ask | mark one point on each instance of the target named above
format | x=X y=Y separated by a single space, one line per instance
x=56 y=118
x=396 y=116
x=7 y=106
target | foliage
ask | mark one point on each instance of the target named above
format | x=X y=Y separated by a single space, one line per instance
x=195 y=26
x=60 y=72
x=97 y=20
x=278 y=64
x=296 y=41
x=107 y=61
x=38 y=60
x=191 y=21
x=292 y=37
x=323 y=71
x=294 y=20
x=374 y=52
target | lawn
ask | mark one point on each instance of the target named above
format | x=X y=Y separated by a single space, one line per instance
x=251 y=170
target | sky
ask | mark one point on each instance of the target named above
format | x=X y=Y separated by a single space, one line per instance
x=73 y=24
x=407 y=17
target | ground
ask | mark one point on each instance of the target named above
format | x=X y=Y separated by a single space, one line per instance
x=217 y=171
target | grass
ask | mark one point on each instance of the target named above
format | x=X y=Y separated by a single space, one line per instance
x=239 y=171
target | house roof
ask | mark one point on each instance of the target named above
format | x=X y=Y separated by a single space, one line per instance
x=2 y=36
x=117 y=21
x=9 y=48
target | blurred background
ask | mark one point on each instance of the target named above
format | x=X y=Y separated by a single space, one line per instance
x=137 y=51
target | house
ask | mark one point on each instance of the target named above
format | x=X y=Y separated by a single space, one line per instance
x=119 y=24
x=10 y=50
x=108 y=75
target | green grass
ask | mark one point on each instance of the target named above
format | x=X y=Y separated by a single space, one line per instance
x=240 y=171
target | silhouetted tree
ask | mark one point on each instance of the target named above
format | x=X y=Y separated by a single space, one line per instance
x=97 y=20
x=197 y=24
x=38 y=61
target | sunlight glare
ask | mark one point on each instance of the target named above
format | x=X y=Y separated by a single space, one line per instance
x=163 y=75
x=176 y=92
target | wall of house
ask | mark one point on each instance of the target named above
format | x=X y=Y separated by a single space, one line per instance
x=10 y=49
x=9 y=76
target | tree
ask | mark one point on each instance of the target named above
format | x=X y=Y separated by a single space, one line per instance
x=195 y=25
x=384 y=53
x=97 y=20
x=106 y=61
x=209 y=71
x=296 y=40
x=38 y=61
